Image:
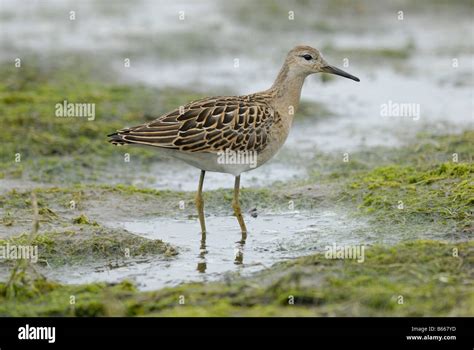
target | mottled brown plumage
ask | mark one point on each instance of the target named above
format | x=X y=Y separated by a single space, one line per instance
x=213 y=124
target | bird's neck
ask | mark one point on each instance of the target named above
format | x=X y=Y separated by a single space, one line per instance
x=286 y=91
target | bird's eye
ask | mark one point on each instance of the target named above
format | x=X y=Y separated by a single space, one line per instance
x=307 y=57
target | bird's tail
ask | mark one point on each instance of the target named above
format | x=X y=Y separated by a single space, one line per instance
x=117 y=139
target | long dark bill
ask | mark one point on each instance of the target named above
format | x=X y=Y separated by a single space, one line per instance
x=337 y=71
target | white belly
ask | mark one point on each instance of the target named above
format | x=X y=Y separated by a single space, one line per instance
x=230 y=163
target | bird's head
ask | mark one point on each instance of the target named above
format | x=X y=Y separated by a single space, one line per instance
x=307 y=60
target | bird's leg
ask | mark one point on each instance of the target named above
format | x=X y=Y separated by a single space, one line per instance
x=200 y=203
x=236 y=206
x=202 y=264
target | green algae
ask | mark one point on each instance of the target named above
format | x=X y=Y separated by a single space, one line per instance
x=416 y=278
x=84 y=220
x=402 y=193
x=62 y=238
x=429 y=181
x=78 y=246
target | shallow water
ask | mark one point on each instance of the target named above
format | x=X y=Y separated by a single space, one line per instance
x=199 y=53
x=271 y=238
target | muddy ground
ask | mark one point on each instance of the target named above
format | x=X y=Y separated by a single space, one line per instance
x=117 y=228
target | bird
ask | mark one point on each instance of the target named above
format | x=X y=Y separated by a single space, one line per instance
x=232 y=134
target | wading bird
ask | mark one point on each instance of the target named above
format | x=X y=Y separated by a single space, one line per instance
x=200 y=132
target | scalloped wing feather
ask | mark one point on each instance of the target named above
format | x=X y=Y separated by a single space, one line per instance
x=208 y=125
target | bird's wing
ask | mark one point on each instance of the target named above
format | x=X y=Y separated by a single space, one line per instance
x=209 y=125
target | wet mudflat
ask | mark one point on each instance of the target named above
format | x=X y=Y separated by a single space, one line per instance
x=355 y=176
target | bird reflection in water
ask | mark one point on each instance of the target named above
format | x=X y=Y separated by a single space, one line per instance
x=239 y=252
x=202 y=263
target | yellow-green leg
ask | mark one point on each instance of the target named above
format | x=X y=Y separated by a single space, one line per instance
x=200 y=202
x=236 y=205
x=202 y=263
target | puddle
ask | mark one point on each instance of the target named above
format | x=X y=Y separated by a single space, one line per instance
x=150 y=29
x=272 y=238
